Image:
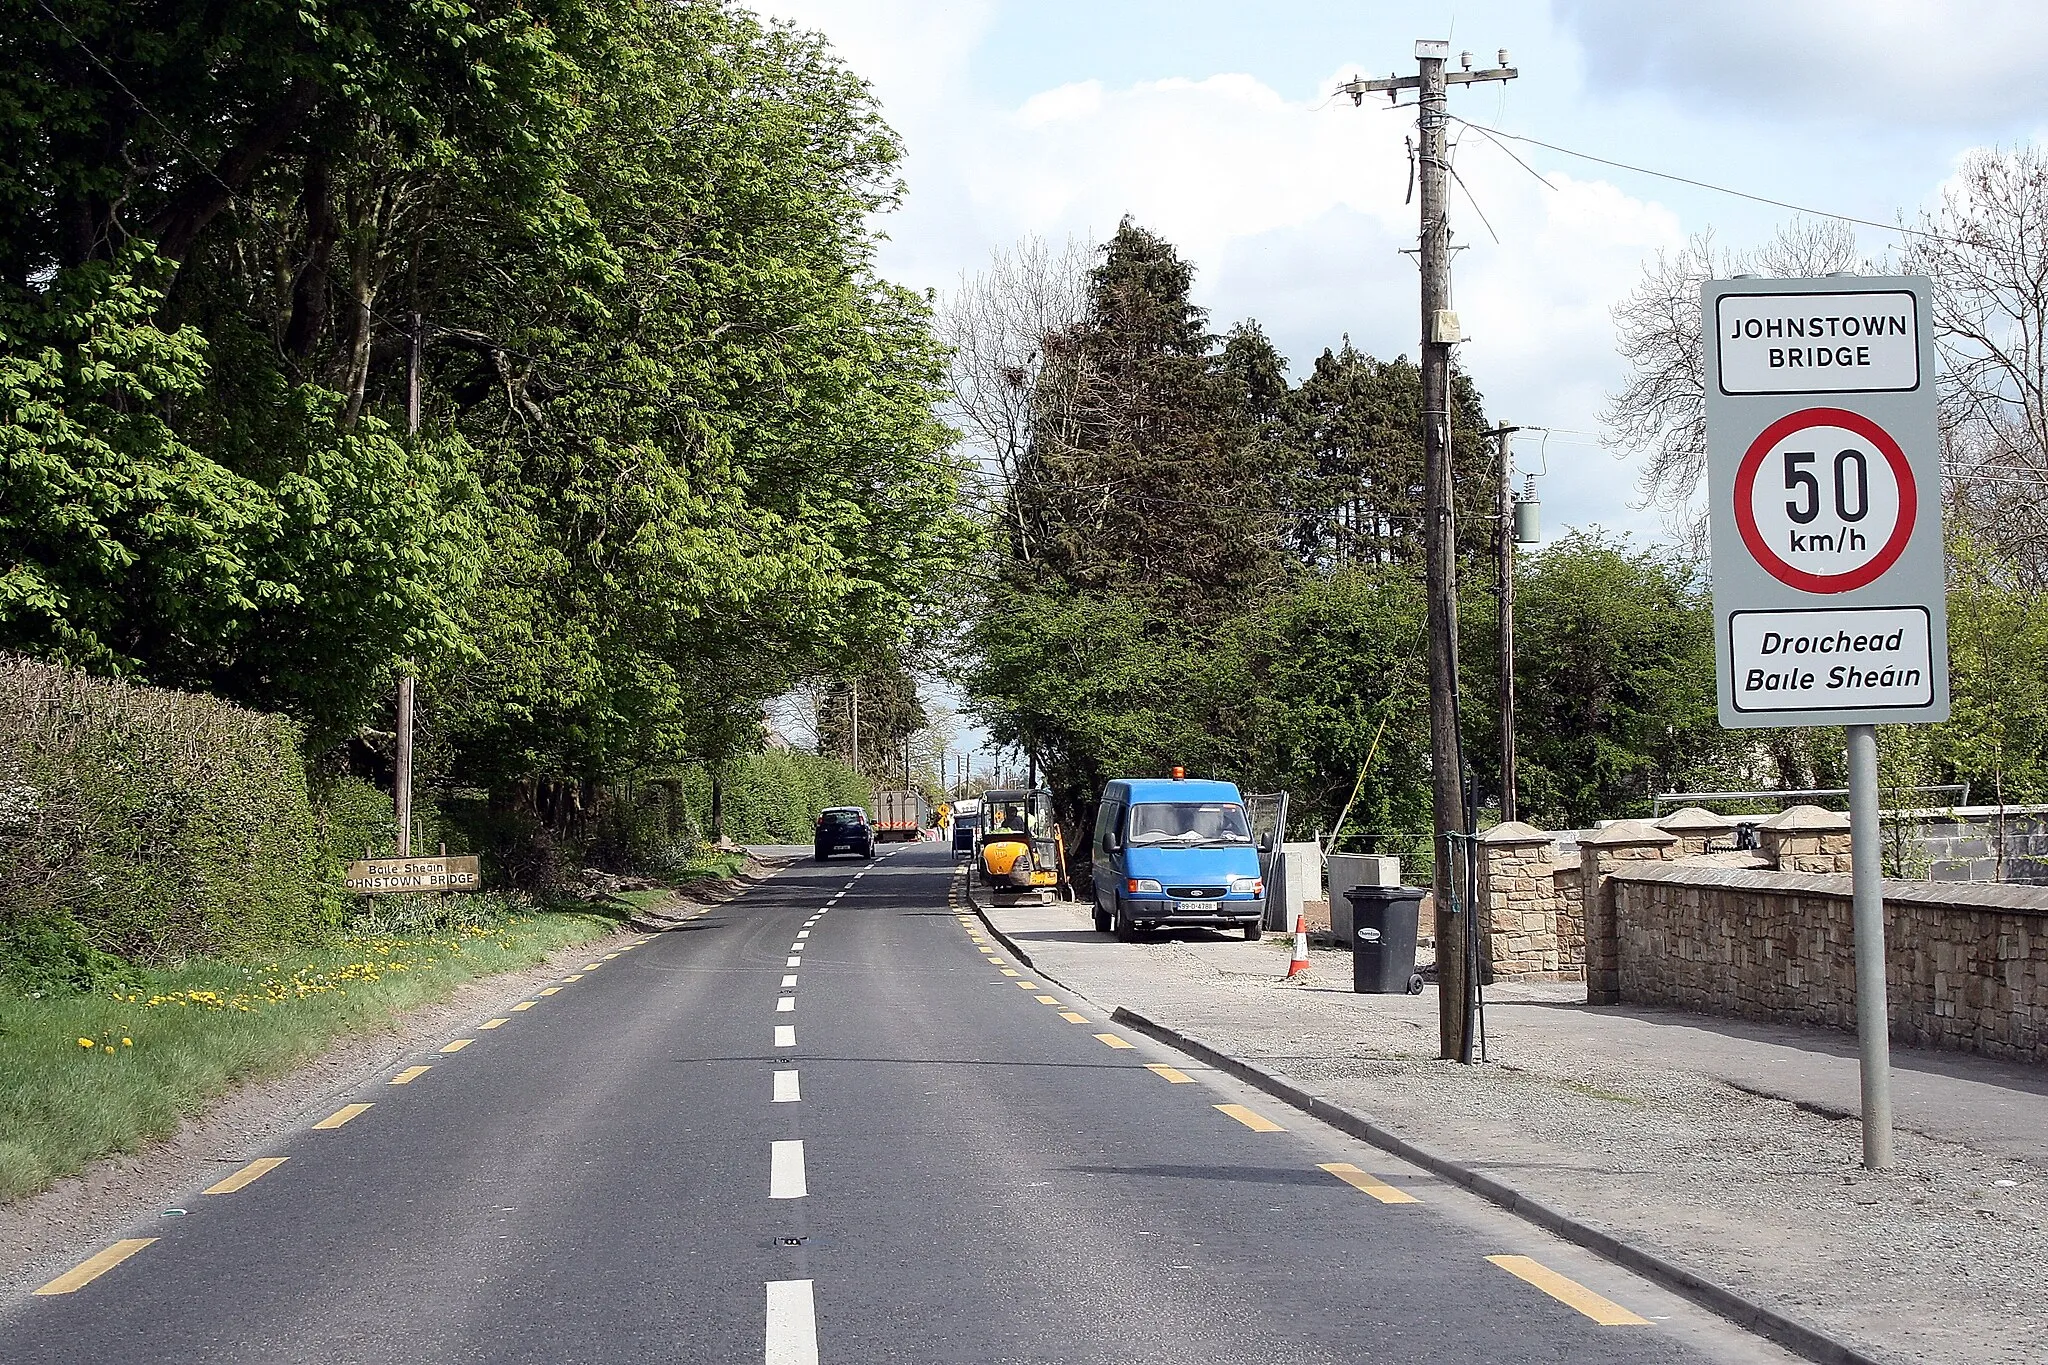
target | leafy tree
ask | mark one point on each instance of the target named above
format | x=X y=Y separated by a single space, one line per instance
x=1354 y=430
x=1144 y=472
x=1996 y=738
x=722 y=457
x=285 y=566
x=1614 y=678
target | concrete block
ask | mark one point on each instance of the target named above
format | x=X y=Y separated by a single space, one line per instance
x=1347 y=870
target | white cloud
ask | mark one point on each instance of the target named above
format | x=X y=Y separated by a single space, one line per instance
x=1293 y=211
x=1866 y=62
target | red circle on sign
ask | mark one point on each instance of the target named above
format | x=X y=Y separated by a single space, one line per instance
x=1902 y=474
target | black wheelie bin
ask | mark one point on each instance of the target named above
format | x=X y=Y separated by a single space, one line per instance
x=1383 y=939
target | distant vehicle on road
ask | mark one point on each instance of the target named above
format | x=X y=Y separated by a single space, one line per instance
x=843 y=829
x=902 y=815
x=1175 y=851
x=966 y=820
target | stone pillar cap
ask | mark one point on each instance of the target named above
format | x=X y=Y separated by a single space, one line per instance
x=1694 y=820
x=1628 y=834
x=1514 y=832
x=1806 y=819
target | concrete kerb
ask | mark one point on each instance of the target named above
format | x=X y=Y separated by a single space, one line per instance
x=1794 y=1335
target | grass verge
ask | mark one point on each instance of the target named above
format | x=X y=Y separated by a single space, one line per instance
x=707 y=862
x=85 y=1075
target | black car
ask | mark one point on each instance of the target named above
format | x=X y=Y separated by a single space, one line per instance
x=844 y=829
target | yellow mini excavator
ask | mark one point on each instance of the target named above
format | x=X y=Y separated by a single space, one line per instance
x=1019 y=848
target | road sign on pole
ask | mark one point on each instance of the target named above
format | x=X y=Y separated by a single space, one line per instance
x=1830 y=598
x=1825 y=473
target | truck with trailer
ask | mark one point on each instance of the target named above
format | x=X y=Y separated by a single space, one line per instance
x=901 y=816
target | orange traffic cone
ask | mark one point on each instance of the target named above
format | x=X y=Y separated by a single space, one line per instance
x=1299 y=966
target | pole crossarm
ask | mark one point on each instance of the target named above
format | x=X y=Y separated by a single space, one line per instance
x=1391 y=85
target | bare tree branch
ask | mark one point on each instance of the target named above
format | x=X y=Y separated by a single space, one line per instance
x=1662 y=409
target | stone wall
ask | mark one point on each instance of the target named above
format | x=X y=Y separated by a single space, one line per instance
x=1571 y=922
x=1984 y=844
x=1966 y=965
x=1518 y=902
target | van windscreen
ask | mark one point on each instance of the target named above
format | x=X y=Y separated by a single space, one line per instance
x=1189 y=823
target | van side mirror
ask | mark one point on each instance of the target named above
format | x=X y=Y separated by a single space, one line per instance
x=1112 y=841
x=1266 y=841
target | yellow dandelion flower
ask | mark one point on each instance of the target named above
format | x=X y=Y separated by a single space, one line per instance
x=127 y=1042
x=87 y=1042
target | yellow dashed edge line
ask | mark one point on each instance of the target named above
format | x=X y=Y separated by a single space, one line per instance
x=341 y=1115
x=86 y=1271
x=493 y=1023
x=525 y=1005
x=1250 y=1118
x=1073 y=1018
x=1111 y=1040
x=1173 y=1075
x=1371 y=1184
x=1047 y=999
x=1571 y=1293
x=1011 y=971
x=410 y=1074
x=458 y=1045
x=247 y=1176
x=550 y=990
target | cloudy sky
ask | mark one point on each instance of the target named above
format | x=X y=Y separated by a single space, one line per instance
x=1212 y=122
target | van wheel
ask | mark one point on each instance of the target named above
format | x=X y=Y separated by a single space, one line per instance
x=1102 y=920
x=1254 y=931
x=1125 y=931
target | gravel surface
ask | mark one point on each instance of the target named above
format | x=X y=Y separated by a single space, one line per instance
x=1944 y=1259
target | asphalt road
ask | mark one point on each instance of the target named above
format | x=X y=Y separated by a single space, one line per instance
x=831 y=1121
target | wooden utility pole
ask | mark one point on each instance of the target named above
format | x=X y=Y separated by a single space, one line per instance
x=854 y=761
x=1505 y=586
x=1455 y=974
x=402 y=777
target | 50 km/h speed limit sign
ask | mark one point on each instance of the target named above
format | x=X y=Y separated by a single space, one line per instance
x=1825 y=479
x=1825 y=500
x=1829 y=595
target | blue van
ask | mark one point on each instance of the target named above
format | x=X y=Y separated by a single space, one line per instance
x=1174 y=851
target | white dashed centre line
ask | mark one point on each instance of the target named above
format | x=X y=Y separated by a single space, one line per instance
x=786 y=1170
x=789 y=980
x=793 y=962
x=792 y=1324
x=785 y=1035
x=785 y=1088
x=786 y=1005
x=803 y=933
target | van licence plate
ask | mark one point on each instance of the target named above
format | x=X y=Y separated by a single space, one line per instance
x=1191 y=907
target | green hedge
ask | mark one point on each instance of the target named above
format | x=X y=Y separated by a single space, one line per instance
x=774 y=797
x=147 y=824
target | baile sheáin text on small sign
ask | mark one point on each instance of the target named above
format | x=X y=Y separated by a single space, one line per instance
x=385 y=876
x=1824 y=471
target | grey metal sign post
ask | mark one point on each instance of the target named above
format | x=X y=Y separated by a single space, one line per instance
x=1830 y=602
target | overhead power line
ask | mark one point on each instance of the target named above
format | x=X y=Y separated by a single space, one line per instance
x=1496 y=133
